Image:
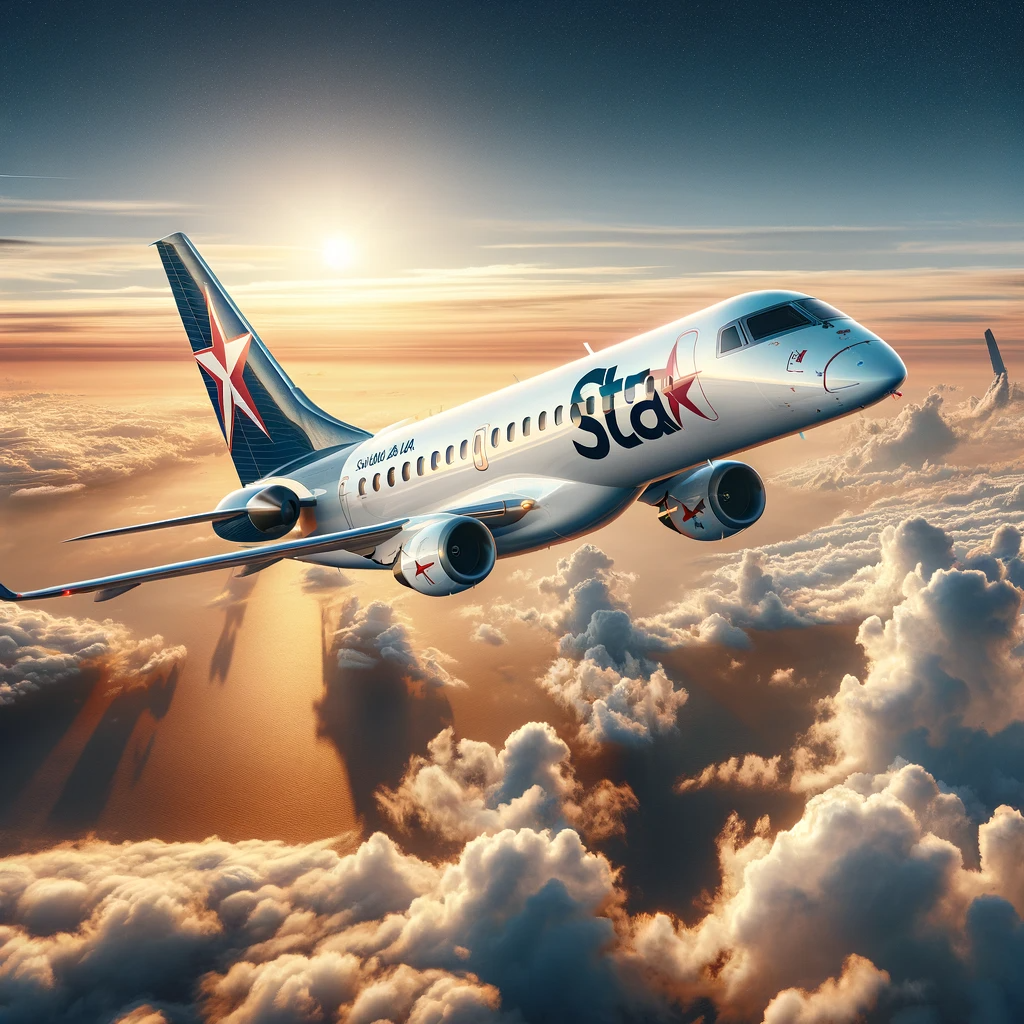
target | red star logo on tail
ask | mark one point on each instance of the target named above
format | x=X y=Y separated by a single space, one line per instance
x=224 y=361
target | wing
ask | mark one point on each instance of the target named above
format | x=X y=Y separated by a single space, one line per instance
x=361 y=541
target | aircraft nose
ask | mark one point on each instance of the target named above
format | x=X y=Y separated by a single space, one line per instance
x=872 y=368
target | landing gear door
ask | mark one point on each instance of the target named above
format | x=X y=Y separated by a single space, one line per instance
x=480 y=447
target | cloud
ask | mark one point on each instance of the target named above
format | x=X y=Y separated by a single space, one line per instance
x=259 y=931
x=58 y=444
x=39 y=651
x=467 y=789
x=374 y=637
x=842 y=1001
x=323 y=580
x=108 y=207
x=875 y=450
x=485 y=633
x=869 y=869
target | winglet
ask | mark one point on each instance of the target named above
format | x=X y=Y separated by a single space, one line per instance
x=8 y=595
x=998 y=366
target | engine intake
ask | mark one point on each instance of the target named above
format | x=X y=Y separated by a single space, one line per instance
x=446 y=555
x=713 y=502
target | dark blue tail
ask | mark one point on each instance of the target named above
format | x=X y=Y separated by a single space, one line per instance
x=266 y=420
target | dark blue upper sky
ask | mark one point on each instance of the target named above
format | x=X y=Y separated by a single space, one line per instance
x=656 y=113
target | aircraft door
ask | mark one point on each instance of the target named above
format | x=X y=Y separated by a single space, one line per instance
x=343 y=490
x=480 y=448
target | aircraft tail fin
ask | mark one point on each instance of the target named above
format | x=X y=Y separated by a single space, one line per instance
x=266 y=420
x=998 y=366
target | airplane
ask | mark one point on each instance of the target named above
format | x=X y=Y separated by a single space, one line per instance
x=437 y=501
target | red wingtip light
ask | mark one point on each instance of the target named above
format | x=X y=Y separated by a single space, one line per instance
x=65 y=593
x=897 y=394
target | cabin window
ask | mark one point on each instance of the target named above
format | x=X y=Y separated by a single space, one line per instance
x=449 y=456
x=591 y=405
x=542 y=421
x=526 y=427
x=376 y=481
x=419 y=466
x=729 y=340
x=406 y=471
x=649 y=386
x=495 y=434
x=558 y=416
x=775 y=321
x=362 y=487
x=511 y=432
x=464 y=450
x=391 y=477
x=435 y=460
x=574 y=413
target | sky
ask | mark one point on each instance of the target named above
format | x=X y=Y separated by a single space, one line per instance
x=632 y=778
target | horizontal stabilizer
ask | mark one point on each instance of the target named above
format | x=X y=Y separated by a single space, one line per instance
x=162 y=524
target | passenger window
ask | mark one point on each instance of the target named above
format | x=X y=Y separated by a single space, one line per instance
x=463 y=449
x=362 y=487
x=449 y=456
x=729 y=340
x=591 y=405
x=376 y=481
x=495 y=434
x=406 y=471
x=649 y=387
x=526 y=427
x=391 y=477
x=435 y=460
x=775 y=321
x=419 y=466
x=511 y=432
x=574 y=413
x=542 y=421
x=558 y=416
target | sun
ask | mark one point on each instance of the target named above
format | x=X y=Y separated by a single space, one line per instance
x=339 y=253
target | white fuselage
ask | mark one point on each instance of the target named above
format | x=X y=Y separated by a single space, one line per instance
x=582 y=468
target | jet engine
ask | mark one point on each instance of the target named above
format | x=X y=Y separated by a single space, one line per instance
x=712 y=502
x=446 y=555
x=267 y=514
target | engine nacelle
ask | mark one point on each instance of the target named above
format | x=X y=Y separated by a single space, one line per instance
x=445 y=556
x=712 y=502
x=270 y=513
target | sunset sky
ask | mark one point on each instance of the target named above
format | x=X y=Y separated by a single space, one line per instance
x=777 y=779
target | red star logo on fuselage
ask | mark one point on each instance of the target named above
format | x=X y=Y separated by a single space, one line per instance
x=224 y=361
x=679 y=392
x=421 y=570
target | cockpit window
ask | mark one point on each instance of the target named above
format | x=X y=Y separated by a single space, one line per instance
x=729 y=339
x=775 y=321
x=822 y=310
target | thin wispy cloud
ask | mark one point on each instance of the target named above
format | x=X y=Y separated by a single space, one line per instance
x=108 y=207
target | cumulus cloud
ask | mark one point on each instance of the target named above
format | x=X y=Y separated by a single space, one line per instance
x=875 y=450
x=323 y=580
x=39 y=651
x=374 y=636
x=604 y=673
x=485 y=633
x=468 y=788
x=58 y=444
x=872 y=868
x=261 y=931
x=842 y=1001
